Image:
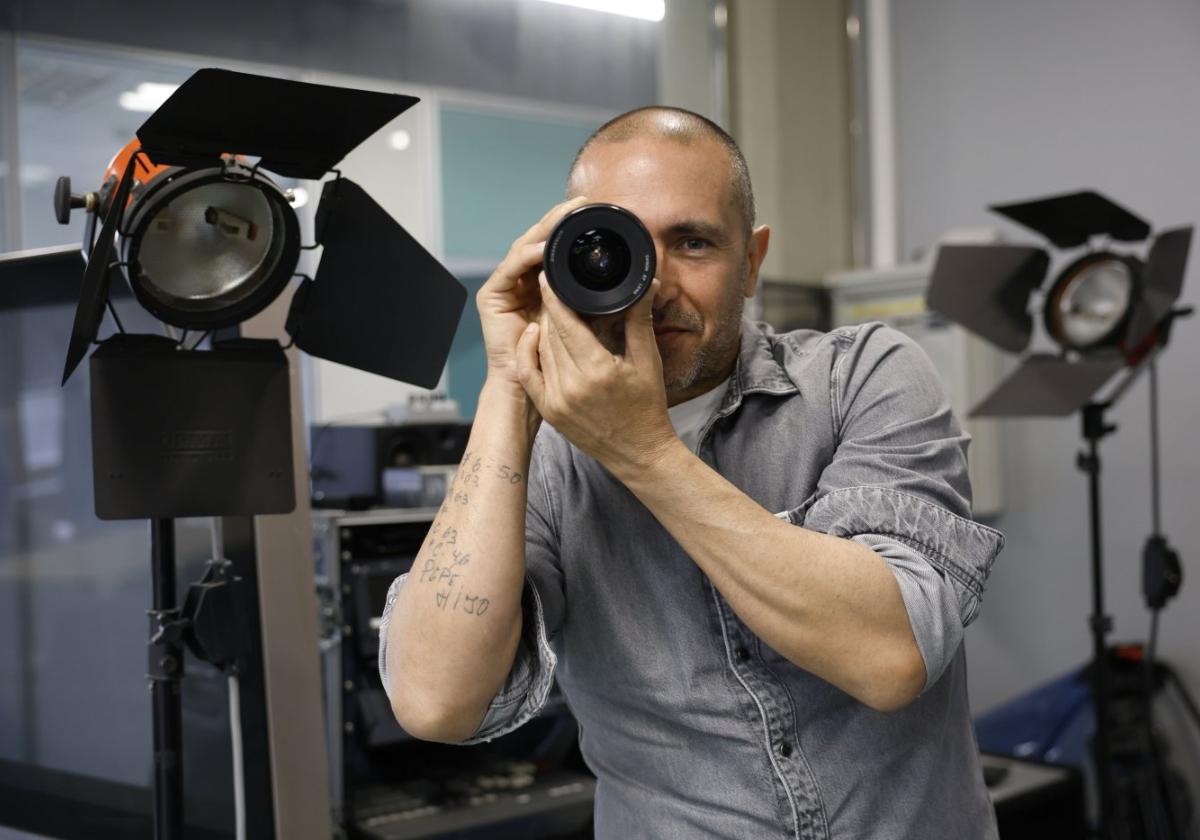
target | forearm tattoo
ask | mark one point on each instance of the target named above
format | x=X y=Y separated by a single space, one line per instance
x=443 y=562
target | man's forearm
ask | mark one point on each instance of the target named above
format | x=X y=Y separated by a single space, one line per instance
x=457 y=619
x=827 y=604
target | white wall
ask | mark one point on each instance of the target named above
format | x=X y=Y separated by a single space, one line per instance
x=1008 y=100
x=691 y=71
x=790 y=113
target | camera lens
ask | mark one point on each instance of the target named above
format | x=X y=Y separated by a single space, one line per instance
x=599 y=259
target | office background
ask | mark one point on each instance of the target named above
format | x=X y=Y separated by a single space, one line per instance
x=985 y=102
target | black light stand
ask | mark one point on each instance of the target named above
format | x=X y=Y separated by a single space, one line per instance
x=1095 y=428
x=208 y=623
x=165 y=674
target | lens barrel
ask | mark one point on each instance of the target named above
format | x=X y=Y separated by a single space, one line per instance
x=599 y=259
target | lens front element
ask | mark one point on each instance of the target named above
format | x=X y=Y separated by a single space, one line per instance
x=205 y=249
x=600 y=259
x=1091 y=300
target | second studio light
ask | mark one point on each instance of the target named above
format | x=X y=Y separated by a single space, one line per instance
x=1106 y=308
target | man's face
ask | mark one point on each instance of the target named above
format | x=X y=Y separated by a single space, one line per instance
x=682 y=193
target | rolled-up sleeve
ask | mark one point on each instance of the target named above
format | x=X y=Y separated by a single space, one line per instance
x=898 y=484
x=528 y=683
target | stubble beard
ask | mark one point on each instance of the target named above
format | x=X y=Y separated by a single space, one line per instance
x=708 y=363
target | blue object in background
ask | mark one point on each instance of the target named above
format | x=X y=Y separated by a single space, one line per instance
x=1051 y=723
x=500 y=173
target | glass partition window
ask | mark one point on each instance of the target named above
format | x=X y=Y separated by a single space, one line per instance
x=501 y=172
x=8 y=133
x=76 y=109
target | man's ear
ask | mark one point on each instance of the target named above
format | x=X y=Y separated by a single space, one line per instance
x=756 y=252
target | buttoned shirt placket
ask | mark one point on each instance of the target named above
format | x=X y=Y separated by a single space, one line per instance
x=798 y=800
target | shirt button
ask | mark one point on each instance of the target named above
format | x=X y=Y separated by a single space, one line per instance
x=742 y=654
x=785 y=749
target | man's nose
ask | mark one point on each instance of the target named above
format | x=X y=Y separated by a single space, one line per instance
x=667 y=276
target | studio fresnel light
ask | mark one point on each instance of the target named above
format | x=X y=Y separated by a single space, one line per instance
x=189 y=217
x=201 y=249
x=1106 y=308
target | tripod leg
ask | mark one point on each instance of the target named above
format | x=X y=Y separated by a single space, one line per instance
x=165 y=673
x=1100 y=623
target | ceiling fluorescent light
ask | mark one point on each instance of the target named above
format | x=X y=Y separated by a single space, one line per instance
x=148 y=96
x=643 y=9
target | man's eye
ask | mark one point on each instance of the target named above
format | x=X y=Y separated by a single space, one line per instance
x=695 y=244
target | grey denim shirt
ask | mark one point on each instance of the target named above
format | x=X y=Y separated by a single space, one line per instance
x=694 y=727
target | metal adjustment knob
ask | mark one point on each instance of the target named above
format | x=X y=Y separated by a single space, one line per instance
x=65 y=201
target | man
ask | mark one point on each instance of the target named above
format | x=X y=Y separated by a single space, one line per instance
x=746 y=557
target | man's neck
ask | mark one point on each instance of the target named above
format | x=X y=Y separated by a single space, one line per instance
x=674 y=398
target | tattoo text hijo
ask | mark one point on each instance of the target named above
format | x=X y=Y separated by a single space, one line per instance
x=444 y=563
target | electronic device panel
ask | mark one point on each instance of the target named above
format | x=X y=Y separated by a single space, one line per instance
x=529 y=784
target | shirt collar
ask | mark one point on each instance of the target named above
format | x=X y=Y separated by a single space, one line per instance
x=758 y=369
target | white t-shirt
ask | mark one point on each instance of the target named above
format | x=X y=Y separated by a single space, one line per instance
x=689 y=417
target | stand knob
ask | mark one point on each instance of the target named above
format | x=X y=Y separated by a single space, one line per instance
x=65 y=201
x=1162 y=573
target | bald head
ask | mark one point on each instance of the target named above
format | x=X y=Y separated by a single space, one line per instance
x=681 y=126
